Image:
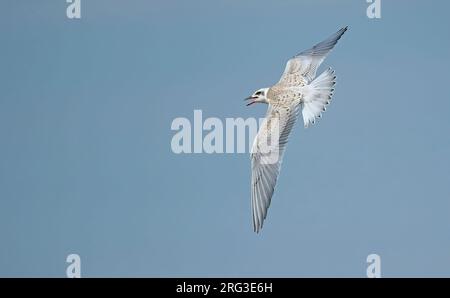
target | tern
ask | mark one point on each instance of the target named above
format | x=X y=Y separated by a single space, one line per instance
x=298 y=89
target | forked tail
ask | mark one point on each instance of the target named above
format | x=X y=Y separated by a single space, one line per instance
x=317 y=95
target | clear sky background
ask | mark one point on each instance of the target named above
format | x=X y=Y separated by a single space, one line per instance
x=86 y=165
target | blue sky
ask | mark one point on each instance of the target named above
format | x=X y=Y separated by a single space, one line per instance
x=86 y=165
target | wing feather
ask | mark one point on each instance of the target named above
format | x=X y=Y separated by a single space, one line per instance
x=302 y=68
x=266 y=165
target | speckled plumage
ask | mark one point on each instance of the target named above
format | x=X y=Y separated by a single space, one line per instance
x=297 y=88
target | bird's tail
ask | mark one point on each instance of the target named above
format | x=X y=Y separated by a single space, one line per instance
x=317 y=95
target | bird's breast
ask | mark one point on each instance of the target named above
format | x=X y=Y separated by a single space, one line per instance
x=284 y=96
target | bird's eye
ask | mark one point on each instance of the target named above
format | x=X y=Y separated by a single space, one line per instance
x=258 y=93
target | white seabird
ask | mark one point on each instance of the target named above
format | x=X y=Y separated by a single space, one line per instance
x=297 y=89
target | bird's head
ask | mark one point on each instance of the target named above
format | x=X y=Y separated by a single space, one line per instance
x=259 y=95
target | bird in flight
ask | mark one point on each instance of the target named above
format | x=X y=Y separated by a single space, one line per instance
x=298 y=89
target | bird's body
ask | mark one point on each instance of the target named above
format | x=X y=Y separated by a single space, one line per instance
x=298 y=89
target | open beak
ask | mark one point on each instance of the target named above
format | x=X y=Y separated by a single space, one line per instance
x=252 y=100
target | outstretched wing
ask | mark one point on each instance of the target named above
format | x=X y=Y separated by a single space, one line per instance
x=267 y=154
x=301 y=69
